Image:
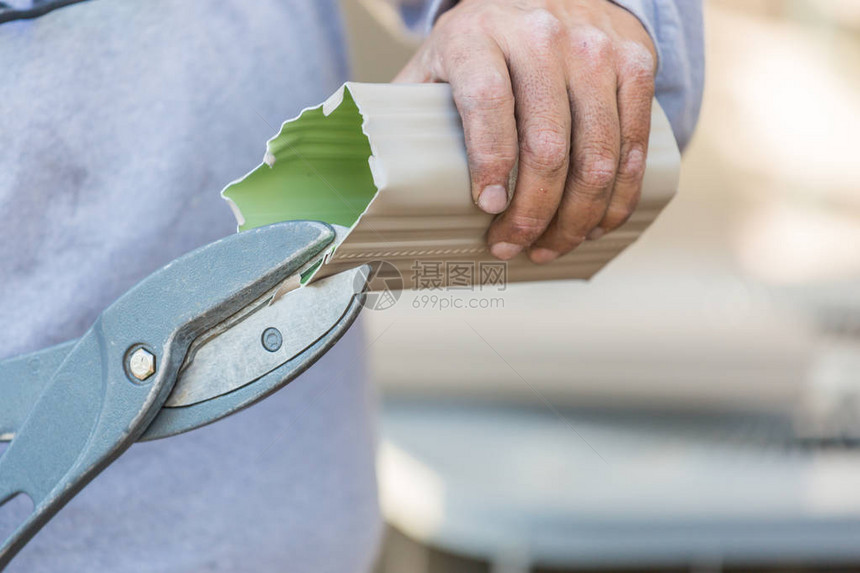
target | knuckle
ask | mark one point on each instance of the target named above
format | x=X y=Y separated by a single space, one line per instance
x=617 y=215
x=546 y=148
x=569 y=236
x=490 y=91
x=637 y=59
x=592 y=45
x=542 y=26
x=491 y=159
x=564 y=236
x=595 y=175
x=633 y=166
x=484 y=19
x=526 y=228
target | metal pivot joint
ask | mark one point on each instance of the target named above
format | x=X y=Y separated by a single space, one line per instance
x=141 y=363
x=272 y=339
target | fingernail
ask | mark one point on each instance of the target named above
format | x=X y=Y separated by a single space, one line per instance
x=541 y=255
x=505 y=251
x=596 y=233
x=493 y=199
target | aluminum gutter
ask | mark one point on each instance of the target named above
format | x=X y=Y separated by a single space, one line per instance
x=394 y=171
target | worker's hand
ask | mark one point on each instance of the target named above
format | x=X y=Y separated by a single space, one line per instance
x=562 y=90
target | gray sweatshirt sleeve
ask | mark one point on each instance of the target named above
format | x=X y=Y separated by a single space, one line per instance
x=419 y=15
x=675 y=27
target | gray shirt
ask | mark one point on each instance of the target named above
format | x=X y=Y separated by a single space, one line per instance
x=120 y=122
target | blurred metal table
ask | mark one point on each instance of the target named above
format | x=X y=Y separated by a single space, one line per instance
x=522 y=487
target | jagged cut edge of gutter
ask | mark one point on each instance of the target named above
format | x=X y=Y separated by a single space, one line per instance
x=375 y=166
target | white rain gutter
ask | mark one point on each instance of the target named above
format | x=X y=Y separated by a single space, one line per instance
x=387 y=162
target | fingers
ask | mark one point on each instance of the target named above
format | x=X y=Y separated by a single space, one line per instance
x=543 y=125
x=475 y=66
x=562 y=98
x=635 y=93
x=482 y=92
x=596 y=148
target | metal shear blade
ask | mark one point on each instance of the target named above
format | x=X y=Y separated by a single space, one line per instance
x=139 y=374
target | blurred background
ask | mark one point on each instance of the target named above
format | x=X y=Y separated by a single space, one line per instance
x=694 y=407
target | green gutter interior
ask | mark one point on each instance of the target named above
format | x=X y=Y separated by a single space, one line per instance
x=320 y=171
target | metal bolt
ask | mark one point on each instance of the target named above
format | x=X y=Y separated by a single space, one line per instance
x=272 y=339
x=141 y=364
